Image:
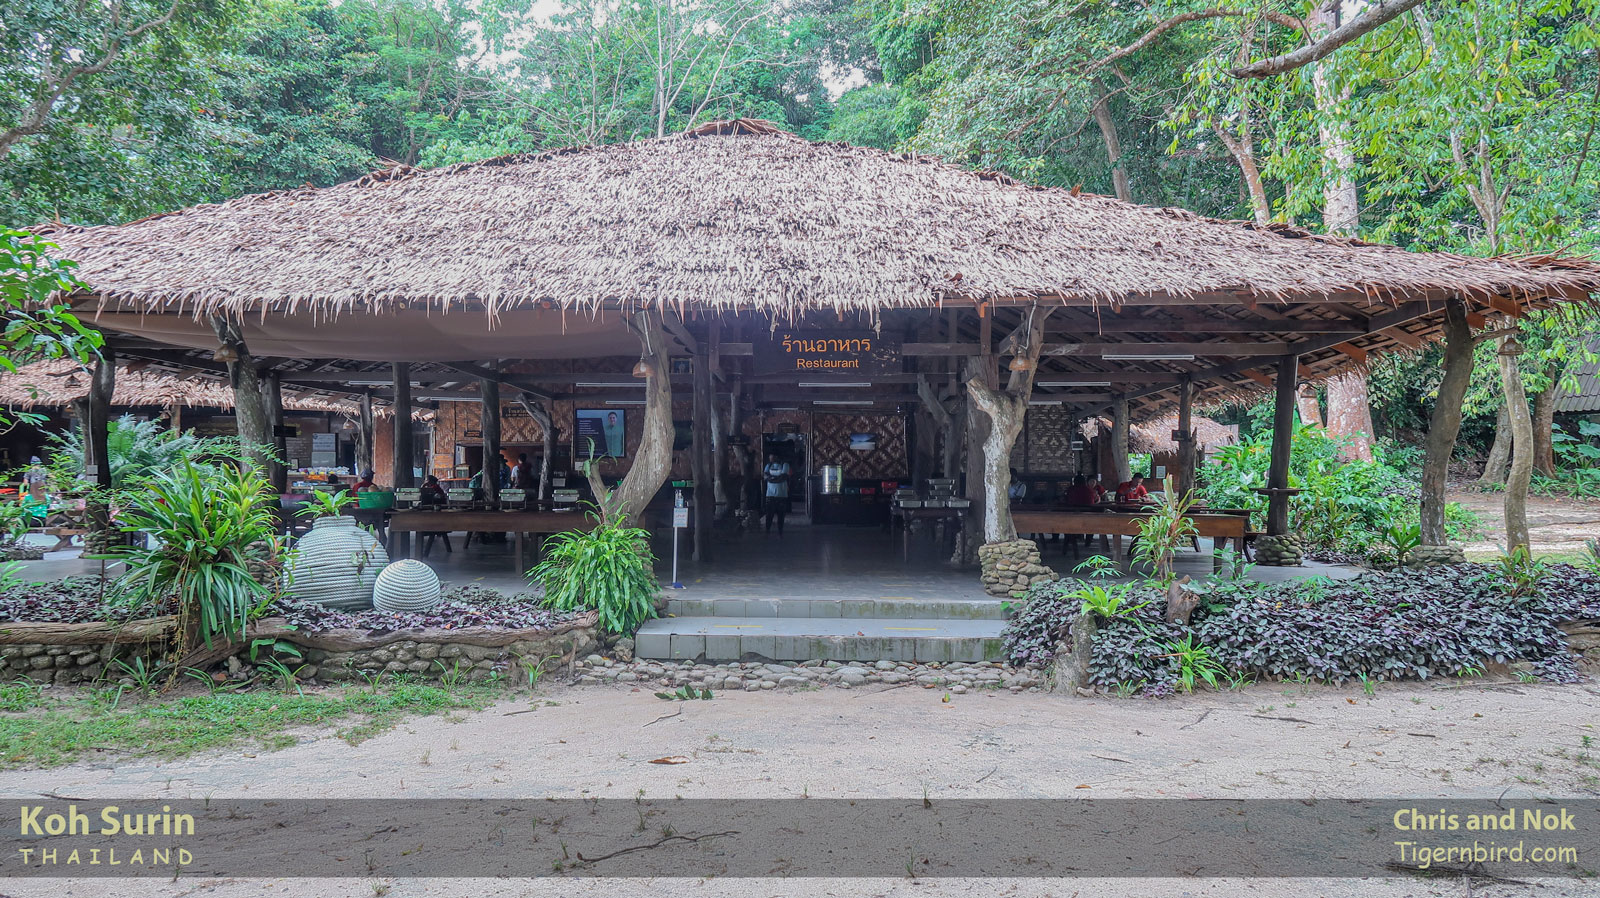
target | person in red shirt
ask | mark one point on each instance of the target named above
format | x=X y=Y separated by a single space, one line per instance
x=365 y=483
x=1081 y=493
x=1131 y=491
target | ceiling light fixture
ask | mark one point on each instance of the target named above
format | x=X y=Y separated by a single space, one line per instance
x=833 y=383
x=621 y=384
x=1072 y=383
x=624 y=402
x=841 y=402
x=1148 y=356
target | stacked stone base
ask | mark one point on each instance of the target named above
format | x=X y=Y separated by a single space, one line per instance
x=1279 y=551
x=448 y=660
x=1009 y=568
x=64 y=665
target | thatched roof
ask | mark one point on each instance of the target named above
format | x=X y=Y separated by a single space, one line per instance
x=59 y=383
x=735 y=215
x=1586 y=398
x=1154 y=436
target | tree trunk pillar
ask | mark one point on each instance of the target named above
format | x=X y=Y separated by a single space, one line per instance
x=365 y=435
x=1443 y=427
x=249 y=407
x=1121 y=472
x=1521 y=471
x=403 y=454
x=653 y=462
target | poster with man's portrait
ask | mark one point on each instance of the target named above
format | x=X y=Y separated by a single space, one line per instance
x=600 y=433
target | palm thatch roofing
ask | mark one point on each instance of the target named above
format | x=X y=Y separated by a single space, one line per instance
x=59 y=383
x=741 y=217
x=1586 y=397
x=1153 y=436
x=733 y=215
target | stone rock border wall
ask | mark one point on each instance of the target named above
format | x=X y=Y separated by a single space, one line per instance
x=65 y=654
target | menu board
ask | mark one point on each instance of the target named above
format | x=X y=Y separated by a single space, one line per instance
x=324 y=450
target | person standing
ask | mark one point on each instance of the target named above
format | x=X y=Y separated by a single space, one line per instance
x=526 y=479
x=614 y=435
x=776 y=476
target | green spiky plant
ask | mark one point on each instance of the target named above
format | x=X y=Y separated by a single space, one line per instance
x=1167 y=526
x=609 y=569
x=207 y=523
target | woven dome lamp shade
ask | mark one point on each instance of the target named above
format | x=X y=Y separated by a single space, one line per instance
x=406 y=585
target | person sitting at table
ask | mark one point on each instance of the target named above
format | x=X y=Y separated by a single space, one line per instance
x=1081 y=493
x=1018 y=489
x=365 y=483
x=1131 y=491
x=432 y=492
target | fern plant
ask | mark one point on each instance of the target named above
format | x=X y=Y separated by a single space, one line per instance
x=207 y=523
x=609 y=569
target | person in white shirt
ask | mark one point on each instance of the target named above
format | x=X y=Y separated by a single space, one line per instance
x=776 y=475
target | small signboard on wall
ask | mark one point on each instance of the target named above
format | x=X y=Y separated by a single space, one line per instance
x=823 y=353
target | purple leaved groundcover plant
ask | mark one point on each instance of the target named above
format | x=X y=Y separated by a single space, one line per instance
x=1443 y=621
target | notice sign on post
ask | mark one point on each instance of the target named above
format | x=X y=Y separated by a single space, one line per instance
x=680 y=518
x=852 y=353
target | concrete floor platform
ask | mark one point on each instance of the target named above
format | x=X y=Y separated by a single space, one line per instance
x=803 y=639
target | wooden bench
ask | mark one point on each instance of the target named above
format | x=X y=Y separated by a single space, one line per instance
x=1220 y=527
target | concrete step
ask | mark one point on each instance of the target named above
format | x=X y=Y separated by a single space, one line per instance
x=827 y=638
x=851 y=609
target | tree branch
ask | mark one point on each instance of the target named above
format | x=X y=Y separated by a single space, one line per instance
x=1373 y=18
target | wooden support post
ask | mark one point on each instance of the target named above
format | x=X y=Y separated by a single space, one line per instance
x=1121 y=472
x=404 y=457
x=705 y=497
x=272 y=398
x=1185 y=439
x=489 y=422
x=1520 y=474
x=365 y=436
x=249 y=405
x=1282 y=443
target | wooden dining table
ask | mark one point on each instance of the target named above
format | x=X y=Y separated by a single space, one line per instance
x=518 y=523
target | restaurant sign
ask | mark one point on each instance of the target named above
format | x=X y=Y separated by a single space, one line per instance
x=826 y=352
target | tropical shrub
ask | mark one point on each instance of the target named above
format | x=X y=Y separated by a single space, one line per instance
x=1166 y=528
x=208 y=524
x=1048 y=611
x=323 y=504
x=1343 y=506
x=137 y=449
x=609 y=569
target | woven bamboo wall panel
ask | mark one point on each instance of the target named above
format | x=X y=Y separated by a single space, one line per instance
x=1045 y=446
x=830 y=445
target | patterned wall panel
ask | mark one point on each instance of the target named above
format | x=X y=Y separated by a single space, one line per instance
x=1045 y=446
x=830 y=445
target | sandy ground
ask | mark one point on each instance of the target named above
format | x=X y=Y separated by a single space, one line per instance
x=1556 y=526
x=1416 y=740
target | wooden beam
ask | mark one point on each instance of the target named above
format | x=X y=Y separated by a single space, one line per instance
x=1506 y=306
x=1095 y=350
x=1353 y=351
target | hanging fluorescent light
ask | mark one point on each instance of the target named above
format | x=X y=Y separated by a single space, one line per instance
x=1148 y=356
x=826 y=383
x=624 y=402
x=841 y=402
x=1044 y=402
x=1072 y=383
x=784 y=408
x=619 y=383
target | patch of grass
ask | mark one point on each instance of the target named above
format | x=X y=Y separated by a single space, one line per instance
x=53 y=732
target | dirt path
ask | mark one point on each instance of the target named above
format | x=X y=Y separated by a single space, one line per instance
x=1445 y=740
x=1555 y=526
